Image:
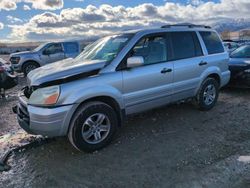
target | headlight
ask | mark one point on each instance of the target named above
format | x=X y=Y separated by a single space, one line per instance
x=45 y=96
x=15 y=60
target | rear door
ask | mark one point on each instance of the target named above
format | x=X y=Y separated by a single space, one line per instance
x=149 y=85
x=188 y=61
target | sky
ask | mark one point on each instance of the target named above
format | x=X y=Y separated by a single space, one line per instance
x=42 y=20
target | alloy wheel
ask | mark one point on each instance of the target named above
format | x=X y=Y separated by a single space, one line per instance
x=96 y=128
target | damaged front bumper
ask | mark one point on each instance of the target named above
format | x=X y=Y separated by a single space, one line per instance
x=43 y=121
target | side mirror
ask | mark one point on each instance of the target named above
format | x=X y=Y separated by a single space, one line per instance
x=135 y=61
x=46 y=52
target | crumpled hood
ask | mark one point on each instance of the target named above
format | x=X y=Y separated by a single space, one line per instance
x=22 y=53
x=63 y=70
x=239 y=62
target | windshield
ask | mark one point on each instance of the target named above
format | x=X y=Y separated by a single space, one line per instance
x=40 y=47
x=241 y=52
x=105 y=49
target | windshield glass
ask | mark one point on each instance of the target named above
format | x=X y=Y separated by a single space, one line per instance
x=241 y=52
x=40 y=47
x=105 y=49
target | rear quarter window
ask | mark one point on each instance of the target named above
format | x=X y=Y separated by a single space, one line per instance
x=212 y=42
x=71 y=47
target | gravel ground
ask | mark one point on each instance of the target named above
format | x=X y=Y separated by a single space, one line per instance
x=174 y=146
x=7 y=121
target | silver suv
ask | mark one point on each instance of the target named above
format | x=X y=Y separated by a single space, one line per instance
x=44 y=54
x=88 y=97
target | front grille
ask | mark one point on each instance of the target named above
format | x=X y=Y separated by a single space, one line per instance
x=28 y=91
x=14 y=60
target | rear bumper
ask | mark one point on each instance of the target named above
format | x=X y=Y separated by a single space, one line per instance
x=44 y=121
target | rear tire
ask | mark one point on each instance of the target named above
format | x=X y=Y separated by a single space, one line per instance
x=207 y=95
x=93 y=126
x=29 y=66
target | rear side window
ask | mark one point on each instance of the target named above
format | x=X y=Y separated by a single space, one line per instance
x=212 y=42
x=71 y=47
x=185 y=45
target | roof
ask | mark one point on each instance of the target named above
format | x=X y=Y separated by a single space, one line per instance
x=176 y=27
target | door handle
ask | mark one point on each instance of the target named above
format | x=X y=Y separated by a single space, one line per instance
x=165 y=70
x=202 y=63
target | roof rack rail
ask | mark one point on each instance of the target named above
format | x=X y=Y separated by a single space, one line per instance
x=186 y=25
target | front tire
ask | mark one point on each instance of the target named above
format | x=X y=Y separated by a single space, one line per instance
x=207 y=95
x=29 y=66
x=93 y=126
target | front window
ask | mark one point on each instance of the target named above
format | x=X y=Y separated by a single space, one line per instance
x=241 y=52
x=105 y=49
x=153 y=49
x=41 y=46
x=54 y=49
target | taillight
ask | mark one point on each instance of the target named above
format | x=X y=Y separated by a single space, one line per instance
x=2 y=69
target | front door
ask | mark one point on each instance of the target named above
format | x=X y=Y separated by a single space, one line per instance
x=149 y=85
x=52 y=53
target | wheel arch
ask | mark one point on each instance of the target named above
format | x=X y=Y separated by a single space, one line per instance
x=216 y=77
x=30 y=61
x=210 y=72
x=111 y=102
x=107 y=100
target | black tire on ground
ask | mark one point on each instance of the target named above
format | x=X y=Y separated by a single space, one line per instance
x=200 y=99
x=29 y=66
x=84 y=112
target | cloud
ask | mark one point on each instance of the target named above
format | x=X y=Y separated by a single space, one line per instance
x=46 y=4
x=195 y=2
x=95 y=21
x=1 y=26
x=36 y=4
x=7 y=5
x=12 y=19
x=26 y=7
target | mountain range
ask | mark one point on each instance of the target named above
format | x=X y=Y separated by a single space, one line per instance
x=232 y=25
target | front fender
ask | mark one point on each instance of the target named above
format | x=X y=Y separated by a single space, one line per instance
x=79 y=95
x=29 y=58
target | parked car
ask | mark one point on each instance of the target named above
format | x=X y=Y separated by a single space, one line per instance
x=44 y=54
x=231 y=46
x=239 y=65
x=8 y=79
x=88 y=97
